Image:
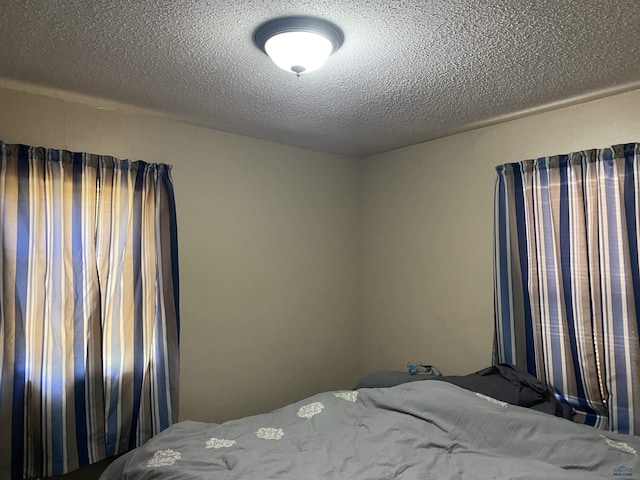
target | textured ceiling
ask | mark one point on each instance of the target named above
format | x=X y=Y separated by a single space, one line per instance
x=408 y=70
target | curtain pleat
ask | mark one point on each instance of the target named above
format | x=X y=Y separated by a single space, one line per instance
x=567 y=279
x=89 y=310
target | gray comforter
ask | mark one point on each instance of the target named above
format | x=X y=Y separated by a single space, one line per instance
x=421 y=430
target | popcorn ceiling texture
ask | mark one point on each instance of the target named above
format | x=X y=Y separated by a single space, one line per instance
x=408 y=71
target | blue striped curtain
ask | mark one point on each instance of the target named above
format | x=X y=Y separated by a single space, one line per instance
x=88 y=308
x=567 y=278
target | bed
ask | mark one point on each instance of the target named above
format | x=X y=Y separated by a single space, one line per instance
x=417 y=430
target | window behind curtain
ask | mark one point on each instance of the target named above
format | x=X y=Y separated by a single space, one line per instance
x=567 y=278
x=89 y=322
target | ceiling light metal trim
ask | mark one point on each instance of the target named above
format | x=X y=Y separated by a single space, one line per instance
x=281 y=25
x=298 y=24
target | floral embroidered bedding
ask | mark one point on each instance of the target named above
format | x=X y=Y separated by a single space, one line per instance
x=419 y=430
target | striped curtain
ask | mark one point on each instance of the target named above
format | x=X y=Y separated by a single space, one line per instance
x=88 y=308
x=567 y=278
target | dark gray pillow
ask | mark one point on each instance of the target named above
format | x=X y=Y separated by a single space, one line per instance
x=388 y=378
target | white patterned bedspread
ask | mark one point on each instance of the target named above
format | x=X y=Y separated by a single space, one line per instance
x=420 y=430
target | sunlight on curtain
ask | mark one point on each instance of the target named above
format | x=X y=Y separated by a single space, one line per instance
x=567 y=278
x=89 y=311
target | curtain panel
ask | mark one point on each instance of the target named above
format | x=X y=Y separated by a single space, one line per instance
x=567 y=278
x=89 y=321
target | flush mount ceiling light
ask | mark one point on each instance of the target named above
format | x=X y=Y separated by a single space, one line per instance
x=298 y=44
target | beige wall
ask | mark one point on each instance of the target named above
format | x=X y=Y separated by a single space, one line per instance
x=283 y=251
x=268 y=251
x=427 y=292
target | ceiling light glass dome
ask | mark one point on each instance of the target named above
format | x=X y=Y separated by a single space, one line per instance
x=298 y=44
